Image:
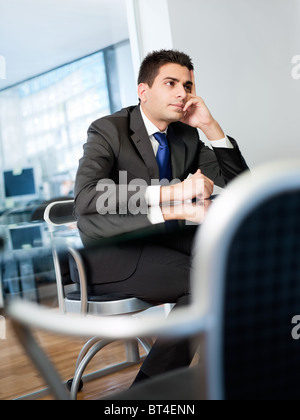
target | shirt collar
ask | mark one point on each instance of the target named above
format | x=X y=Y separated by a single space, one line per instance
x=150 y=127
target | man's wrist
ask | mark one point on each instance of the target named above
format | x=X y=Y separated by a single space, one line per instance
x=173 y=212
x=213 y=131
x=171 y=194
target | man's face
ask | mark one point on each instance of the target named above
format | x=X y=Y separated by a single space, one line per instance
x=163 y=103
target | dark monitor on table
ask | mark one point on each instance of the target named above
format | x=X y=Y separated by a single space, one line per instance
x=26 y=237
x=20 y=185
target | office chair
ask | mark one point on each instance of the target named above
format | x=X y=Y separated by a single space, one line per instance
x=246 y=293
x=58 y=214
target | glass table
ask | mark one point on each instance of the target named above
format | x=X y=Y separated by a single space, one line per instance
x=27 y=271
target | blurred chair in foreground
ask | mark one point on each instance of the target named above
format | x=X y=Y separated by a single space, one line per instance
x=246 y=291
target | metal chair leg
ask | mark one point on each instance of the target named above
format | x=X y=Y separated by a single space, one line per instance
x=94 y=346
x=132 y=351
x=147 y=344
x=84 y=363
x=85 y=350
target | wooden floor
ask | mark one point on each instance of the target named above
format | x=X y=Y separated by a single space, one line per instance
x=18 y=377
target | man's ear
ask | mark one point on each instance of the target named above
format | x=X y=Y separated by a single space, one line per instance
x=142 y=92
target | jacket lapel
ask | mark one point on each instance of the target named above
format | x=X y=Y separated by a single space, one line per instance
x=142 y=143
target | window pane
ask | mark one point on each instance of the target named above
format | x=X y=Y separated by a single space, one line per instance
x=44 y=121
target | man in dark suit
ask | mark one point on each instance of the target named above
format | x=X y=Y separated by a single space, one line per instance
x=156 y=140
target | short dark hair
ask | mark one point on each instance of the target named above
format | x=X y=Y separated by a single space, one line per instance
x=154 y=61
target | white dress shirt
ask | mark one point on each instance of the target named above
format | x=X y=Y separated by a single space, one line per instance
x=153 y=192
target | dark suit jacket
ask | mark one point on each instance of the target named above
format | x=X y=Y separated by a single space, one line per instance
x=120 y=142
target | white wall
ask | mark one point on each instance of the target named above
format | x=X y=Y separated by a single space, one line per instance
x=243 y=52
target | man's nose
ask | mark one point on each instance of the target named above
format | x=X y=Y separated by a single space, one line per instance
x=181 y=93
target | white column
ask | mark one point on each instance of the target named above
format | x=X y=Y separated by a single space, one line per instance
x=2 y=68
x=149 y=28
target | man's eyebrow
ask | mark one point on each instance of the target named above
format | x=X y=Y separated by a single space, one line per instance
x=172 y=78
x=188 y=83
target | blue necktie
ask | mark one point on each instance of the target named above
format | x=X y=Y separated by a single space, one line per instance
x=163 y=157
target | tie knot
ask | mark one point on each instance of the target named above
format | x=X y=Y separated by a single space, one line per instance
x=162 y=139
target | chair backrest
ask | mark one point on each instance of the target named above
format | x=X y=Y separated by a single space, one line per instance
x=262 y=297
x=57 y=214
x=249 y=251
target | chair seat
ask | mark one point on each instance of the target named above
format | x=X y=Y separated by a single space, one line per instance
x=107 y=305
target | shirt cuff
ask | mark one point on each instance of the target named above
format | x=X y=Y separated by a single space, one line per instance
x=152 y=196
x=223 y=143
x=155 y=215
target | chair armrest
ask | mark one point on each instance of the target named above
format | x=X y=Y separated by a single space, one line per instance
x=184 y=322
x=60 y=213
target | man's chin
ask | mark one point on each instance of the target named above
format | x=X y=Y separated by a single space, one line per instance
x=175 y=116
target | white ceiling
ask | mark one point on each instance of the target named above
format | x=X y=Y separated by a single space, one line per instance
x=39 y=35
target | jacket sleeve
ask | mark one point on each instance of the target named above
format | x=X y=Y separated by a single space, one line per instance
x=221 y=165
x=97 y=186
